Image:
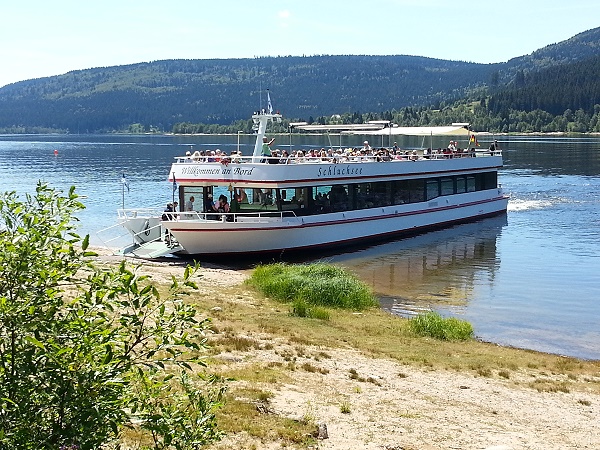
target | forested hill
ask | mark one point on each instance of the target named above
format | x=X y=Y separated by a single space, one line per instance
x=571 y=87
x=159 y=94
x=163 y=93
x=578 y=48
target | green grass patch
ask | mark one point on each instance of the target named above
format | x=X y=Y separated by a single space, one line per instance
x=302 y=309
x=307 y=285
x=432 y=324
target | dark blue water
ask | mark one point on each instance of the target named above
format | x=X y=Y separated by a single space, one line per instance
x=529 y=279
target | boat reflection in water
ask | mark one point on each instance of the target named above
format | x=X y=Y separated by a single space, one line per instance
x=442 y=270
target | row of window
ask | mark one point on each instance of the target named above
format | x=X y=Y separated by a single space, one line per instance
x=347 y=197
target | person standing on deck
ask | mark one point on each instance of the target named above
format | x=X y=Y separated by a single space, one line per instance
x=266 y=147
x=189 y=205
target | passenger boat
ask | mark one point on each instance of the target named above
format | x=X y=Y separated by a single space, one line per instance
x=300 y=201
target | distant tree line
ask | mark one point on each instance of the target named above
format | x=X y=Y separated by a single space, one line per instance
x=559 y=99
x=554 y=89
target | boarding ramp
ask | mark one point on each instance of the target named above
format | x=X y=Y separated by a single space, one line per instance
x=154 y=249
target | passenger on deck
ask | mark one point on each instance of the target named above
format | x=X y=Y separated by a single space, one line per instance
x=241 y=196
x=167 y=213
x=236 y=157
x=189 y=205
x=209 y=205
x=285 y=157
x=274 y=157
x=266 y=148
x=223 y=204
x=366 y=146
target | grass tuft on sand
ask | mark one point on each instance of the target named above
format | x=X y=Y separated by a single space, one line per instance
x=432 y=324
x=317 y=284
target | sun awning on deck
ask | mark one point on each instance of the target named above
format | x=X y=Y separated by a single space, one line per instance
x=452 y=130
x=382 y=128
x=350 y=128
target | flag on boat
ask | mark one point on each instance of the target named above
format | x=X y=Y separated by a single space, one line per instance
x=125 y=182
x=269 y=105
x=473 y=140
x=174 y=184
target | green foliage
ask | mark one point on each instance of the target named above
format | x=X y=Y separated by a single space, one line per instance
x=312 y=284
x=432 y=324
x=176 y=413
x=77 y=341
x=301 y=308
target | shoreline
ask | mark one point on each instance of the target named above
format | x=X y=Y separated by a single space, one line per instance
x=368 y=400
x=109 y=254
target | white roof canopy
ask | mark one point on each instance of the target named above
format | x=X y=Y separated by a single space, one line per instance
x=382 y=128
x=453 y=130
x=346 y=128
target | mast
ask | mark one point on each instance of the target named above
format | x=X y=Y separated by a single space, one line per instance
x=261 y=120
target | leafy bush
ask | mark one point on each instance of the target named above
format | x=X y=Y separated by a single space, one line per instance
x=84 y=351
x=432 y=324
x=315 y=284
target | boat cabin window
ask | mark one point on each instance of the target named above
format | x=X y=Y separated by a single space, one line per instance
x=408 y=191
x=185 y=195
x=470 y=183
x=293 y=199
x=487 y=180
x=461 y=185
x=447 y=186
x=433 y=189
x=371 y=195
x=261 y=197
x=305 y=200
x=326 y=199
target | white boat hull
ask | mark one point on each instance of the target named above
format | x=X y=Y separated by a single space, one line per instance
x=201 y=237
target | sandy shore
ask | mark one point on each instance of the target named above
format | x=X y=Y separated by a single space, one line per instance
x=404 y=408
x=389 y=406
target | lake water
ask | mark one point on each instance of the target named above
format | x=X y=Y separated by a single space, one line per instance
x=528 y=279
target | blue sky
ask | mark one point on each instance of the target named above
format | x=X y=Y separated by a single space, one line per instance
x=41 y=38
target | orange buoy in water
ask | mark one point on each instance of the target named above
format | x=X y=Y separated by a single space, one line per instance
x=55 y=152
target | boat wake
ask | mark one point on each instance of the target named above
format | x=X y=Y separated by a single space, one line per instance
x=528 y=205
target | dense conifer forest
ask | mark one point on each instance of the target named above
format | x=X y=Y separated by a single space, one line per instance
x=555 y=88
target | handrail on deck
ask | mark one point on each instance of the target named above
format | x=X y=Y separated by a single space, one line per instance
x=337 y=158
x=212 y=216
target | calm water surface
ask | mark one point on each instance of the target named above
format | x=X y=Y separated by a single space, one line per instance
x=529 y=279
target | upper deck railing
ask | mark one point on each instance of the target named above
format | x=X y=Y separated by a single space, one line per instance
x=317 y=157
